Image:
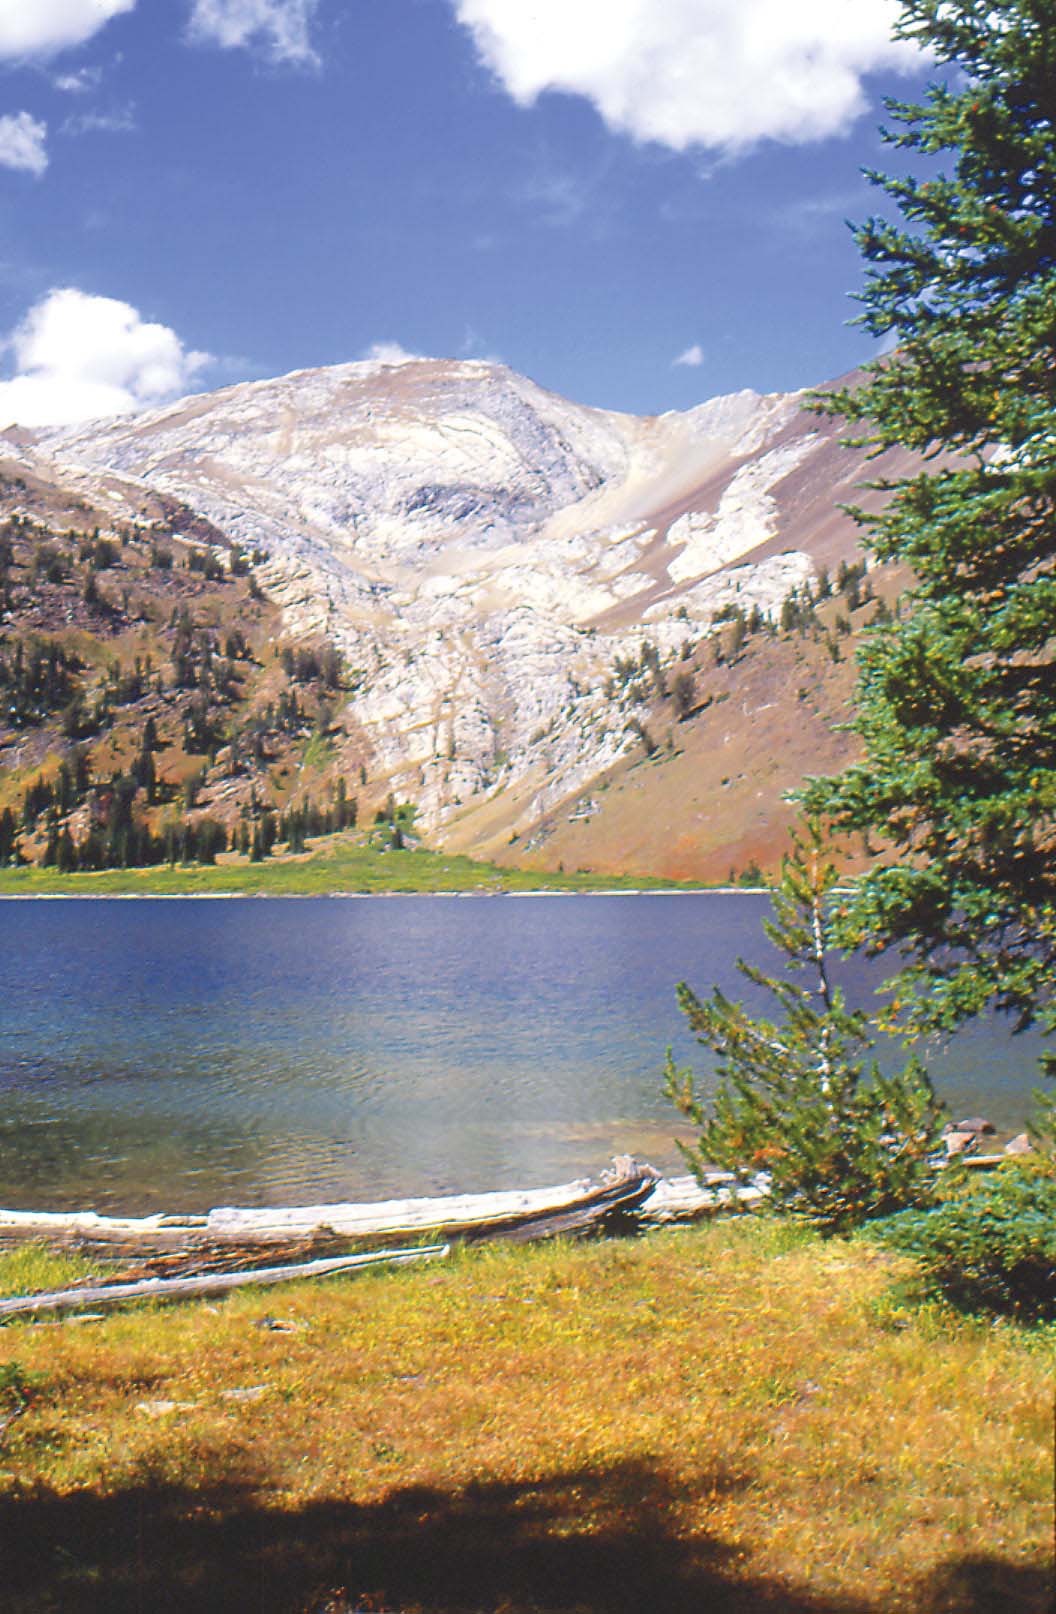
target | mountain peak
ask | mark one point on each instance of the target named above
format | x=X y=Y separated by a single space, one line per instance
x=484 y=549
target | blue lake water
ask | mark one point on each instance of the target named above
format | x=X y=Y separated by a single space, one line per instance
x=179 y=1054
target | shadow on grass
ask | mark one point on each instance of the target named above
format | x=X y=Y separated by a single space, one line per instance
x=593 y=1542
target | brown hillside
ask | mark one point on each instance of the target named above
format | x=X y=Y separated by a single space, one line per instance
x=711 y=801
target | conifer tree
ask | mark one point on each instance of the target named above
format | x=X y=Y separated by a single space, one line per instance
x=8 y=837
x=956 y=701
x=800 y=1097
x=66 y=854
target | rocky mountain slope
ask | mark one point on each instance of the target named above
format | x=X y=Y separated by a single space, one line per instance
x=515 y=581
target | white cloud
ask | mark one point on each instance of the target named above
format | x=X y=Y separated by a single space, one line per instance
x=474 y=347
x=692 y=356
x=79 y=83
x=121 y=121
x=41 y=27
x=389 y=353
x=78 y=357
x=810 y=215
x=282 y=26
x=723 y=74
x=561 y=199
x=22 y=145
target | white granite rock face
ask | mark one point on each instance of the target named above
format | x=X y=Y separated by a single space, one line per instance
x=482 y=548
x=746 y=513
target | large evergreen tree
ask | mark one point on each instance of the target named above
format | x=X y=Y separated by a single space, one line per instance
x=956 y=701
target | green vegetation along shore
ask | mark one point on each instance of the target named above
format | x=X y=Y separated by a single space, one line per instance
x=338 y=866
x=732 y=1417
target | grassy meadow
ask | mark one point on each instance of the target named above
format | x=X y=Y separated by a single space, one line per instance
x=733 y=1417
x=338 y=865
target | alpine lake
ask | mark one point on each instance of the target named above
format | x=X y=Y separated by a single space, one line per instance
x=179 y=1054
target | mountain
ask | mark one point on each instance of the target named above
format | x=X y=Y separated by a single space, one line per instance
x=522 y=588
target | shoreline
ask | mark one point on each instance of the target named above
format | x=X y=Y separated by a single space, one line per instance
x=350 y=896
x=627 y=1185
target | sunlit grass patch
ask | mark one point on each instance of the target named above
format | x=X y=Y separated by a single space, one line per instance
x=723 y=1413
x=31 y=1268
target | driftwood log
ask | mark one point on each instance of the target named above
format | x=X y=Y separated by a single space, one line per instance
x=180 y=1257
x=185 y=1257
x=212 y=1283
x=569 y=1209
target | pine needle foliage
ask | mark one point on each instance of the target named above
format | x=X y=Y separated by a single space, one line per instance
x=956 y=702
x=800 y=1097
x=991 y=1247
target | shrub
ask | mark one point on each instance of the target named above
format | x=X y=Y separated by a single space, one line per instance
x=799 y=1098
x=993 y=1246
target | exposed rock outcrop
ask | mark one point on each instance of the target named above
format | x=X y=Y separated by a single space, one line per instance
x=482 y=550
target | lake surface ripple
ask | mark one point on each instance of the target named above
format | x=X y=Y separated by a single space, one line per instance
x=181 y=1054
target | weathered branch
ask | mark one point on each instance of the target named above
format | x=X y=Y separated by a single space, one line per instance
x=533 y=1213
x=212 y=1283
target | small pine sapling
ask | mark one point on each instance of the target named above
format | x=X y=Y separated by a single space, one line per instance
x=799 y=1096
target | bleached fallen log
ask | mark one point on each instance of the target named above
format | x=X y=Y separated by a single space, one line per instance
x=213 y=1283
x=463 y=1215
x=568 y=1208
x=684 y=1199
x=17 y=1225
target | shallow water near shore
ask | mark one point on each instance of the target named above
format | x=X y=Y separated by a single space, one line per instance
x=181 y=1054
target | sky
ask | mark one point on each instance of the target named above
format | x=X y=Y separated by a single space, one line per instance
x=638 y=203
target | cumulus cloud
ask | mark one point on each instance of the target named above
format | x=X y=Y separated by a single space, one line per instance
x=389 y=353
x=79 y=357
x=723 y=74
x=281 y=26
x=691 y=356
x=41 y=27
x=22 y=145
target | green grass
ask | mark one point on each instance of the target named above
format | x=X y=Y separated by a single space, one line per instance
x=726 y=1419
x=317 y=751
x=333 y=865
x=32 y=1269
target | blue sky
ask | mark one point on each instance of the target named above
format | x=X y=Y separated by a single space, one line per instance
x=194 y=192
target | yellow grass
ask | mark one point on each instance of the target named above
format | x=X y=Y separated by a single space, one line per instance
x=718 y=1419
